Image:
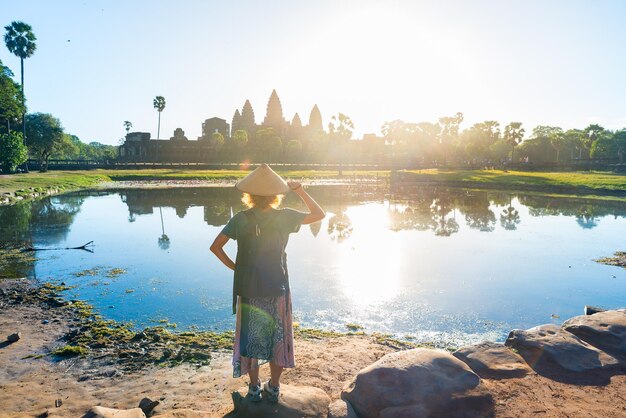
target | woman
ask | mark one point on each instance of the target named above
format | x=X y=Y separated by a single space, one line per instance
x=261 y=295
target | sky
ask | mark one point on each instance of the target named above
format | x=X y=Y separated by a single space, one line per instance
x=100 y=63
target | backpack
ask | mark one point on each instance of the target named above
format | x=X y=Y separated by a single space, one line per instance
x=261 y=263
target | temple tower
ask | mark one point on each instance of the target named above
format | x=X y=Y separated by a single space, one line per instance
x=236 y=124
x=295 y=130
x=274 y=115
x=315 y=120
x=247 y=119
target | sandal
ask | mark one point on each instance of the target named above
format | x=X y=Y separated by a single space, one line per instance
x=272 y=392
x=254 y=392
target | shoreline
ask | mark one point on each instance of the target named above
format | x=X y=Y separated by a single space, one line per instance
x=119 y=379
x=596 y=185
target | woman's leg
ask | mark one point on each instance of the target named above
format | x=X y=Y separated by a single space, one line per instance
x=275 y=371
x=253 y=370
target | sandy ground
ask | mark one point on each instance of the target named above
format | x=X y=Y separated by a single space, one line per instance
x=29 y=387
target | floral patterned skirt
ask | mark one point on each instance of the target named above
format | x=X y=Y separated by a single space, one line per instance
x=264 y=333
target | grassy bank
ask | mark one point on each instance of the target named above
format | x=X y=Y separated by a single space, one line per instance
x=584 y=182
x=34 y=184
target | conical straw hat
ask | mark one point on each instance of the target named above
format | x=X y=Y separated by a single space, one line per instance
x=263 y=182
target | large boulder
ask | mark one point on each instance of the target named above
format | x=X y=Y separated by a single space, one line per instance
x=187 y=413
x=552 y=351
x=418 y=383
x=341 y=409
x=294 y=402
x=493 y=361
x=102 y=412
x=604 y=330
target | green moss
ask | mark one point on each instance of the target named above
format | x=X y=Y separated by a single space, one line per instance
x=354 y=327
x=70 y=351
x=315 y=333
x=618 y=260
x=15 y=263
x=33 y=356
x=115 y=272
x=88 y=272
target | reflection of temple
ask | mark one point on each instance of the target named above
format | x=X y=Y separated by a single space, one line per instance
x=217 y=202
x=138 y=146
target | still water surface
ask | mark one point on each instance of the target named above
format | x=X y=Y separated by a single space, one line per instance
x=432 y=264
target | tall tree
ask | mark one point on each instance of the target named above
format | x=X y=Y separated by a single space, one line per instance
x=340 y=129
x=127 y=126
x=449 y=132
x=513 y=135
x=20 y=41
x=13 y=152
x=159 y=105
x=11 y=101
x=592 y=133
x=44 y=135
x=557 y=140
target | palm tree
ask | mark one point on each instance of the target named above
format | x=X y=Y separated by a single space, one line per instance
x=20 y=41
x=159 y=105
x=127 y=126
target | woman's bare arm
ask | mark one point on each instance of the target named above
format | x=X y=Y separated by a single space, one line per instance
x=316 y=212
x=217 y=248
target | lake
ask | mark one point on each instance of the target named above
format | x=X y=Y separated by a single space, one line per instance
x=447 y=265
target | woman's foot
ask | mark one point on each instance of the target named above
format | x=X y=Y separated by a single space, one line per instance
x=272 y=392
x=254 y=392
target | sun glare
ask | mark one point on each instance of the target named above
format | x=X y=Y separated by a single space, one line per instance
x=369 y=261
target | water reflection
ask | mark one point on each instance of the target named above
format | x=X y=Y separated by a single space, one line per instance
x=434 y=259
x=437 y=209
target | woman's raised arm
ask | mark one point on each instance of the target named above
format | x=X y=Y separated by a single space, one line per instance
x=316 y=212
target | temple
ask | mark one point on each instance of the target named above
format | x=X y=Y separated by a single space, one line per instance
x=140 y=147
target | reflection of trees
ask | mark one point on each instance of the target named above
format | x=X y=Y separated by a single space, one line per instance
x=45 y=221
x=164 y=240
x=440 y=208
x=40 y=223
x=586 y=217
x=339 y=227
x=509 y=218
x=478 y=215
x=585 y=211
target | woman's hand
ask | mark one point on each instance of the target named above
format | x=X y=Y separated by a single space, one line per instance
x=294 y=185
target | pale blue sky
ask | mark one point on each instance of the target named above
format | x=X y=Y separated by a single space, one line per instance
x=540 y=62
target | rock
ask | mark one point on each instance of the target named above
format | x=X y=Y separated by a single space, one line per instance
x=549 y=349
x=418 y=383
x=186 y=413
x=14 y=337
x=590 y=310
x=102 y=412
x=295 y=401
x=604 y=330
x=341 y=409
x=147 y=405
x=493 y=361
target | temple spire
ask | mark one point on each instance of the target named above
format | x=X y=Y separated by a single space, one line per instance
x=274 y=115
x=236 y=124
x=296 y=122
x=315 y=119
x=247 y=118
